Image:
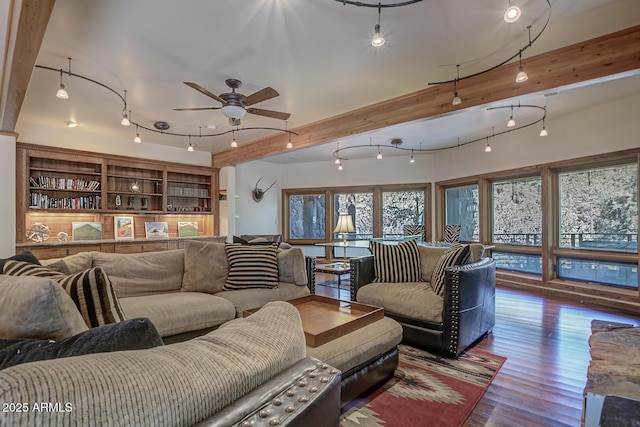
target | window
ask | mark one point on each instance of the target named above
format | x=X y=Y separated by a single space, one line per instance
x=609 y=273
x=360 y=207
x=461 y=207
x=400 y=208
x=307 y=217
x=517 y=212
x=518 y=262
x=599 y=208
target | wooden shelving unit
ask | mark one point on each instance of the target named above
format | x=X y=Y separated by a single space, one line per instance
x=57 y=187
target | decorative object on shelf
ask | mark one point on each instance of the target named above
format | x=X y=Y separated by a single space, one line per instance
x=62 y=236
x=134 y=187
x=144 y=204
x=344 y=226
x=131 y=206
x=169 y=207
x=205 y=205
x=86 y=230
x=123 y=227
x=38 y=232
x=156 y=230
x=188 y=229
x=258 y=193
x=118 y=201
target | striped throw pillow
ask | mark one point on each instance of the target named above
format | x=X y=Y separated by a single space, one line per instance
x=456 y=255
x=90 y=290
x=396 y=263
x=251 y=267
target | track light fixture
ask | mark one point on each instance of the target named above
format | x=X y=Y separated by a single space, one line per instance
x=125 y=118
x=544 y=131
x=234 y=143
x=191 y=146
x=512 y=14
x=511 y=123
x=521 y=77
x=456 y=98
x=289 y=144
x=412 y=160
x=137 y=139
x=340 y=167
x=487 y=149
x=62 y=93
x=379 y=156
x=377 y=39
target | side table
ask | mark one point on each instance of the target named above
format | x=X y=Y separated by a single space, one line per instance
x=335 y=268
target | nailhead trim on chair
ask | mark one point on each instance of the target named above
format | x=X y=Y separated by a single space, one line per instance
x=455 y=312
x=295 y=398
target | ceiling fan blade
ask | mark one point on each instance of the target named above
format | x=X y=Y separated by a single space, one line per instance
x=261 y=95
x=197 y=109
x=269 y=113
x=202 y=90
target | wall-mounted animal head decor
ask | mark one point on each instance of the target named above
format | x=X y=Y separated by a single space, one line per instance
x=258 y=193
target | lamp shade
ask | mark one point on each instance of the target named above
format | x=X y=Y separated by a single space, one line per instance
x=345 y=224
x=233 y=111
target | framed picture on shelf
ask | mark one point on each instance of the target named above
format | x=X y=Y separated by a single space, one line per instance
x=156 y=230
x=123 y=227
x=86 y=230
x=187 y=229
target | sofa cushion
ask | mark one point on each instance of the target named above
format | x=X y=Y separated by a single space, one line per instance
x=251 y=267
x=133 y=334
x=78 y=262
x=177 y=312
x=143 y=273
x=25 y=256
x=34 y=307
x=456 y=255
x=244 y=299
x=90 y=290
x=291 y=266
x=413 y=300
x=396 y=263
x=205 y=267
x=429 y=256
x=177 y=384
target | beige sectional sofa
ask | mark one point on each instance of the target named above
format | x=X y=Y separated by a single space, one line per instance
x=182 y=291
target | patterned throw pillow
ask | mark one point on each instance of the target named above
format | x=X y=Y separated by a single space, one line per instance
x=90 y=290
x=396 y=263
x=455 y=255
x=251 y=267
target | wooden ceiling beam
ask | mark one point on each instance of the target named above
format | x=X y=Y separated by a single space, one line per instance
x=22 y=50
x=604 y=56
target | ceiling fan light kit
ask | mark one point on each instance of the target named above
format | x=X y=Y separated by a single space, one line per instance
x=512 y=14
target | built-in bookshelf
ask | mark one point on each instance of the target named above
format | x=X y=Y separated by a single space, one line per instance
x=58 y=187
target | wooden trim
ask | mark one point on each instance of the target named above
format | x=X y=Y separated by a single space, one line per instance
x=589 y=60
x=32 y=24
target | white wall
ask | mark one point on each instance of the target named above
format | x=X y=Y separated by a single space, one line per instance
x=7 y=194
x=252 y=217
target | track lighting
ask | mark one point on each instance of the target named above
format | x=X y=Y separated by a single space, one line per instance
x=377 y=39
x=412 y=160
x=234 y=143
x=379 y=156
x=521 y=77
x=125 y=118
x=289 y=144
x=137 y=139
x=487 y=149
x=62 y=93
x=190 y=147
x=511 y=123
x=456 y=98
x=512 y=14
x=544 y=131
x=340 y=167
x=336 y=161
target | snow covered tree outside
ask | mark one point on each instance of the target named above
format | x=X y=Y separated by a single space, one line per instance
x=400 y=208
x=517 y=212
x=461 y=205
x=360 y=207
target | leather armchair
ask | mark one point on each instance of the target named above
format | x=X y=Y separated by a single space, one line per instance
x=468 y=307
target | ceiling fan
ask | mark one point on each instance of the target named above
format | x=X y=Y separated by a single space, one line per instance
x=235 y=105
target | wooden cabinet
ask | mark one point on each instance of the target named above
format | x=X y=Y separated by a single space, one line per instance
x=58 y=187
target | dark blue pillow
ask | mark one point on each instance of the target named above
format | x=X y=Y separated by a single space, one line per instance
x=132 y=334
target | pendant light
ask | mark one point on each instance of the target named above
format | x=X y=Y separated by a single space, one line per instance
x=544 y=131
x=511 y=123
x=289 y=144
x=62 y=93
x=377 y=39
x=137 y=139
x=487 y=149
x=190 y=148
x=234 y=143
x=456 y=98
x=125 y=118
x=379 y=156
x=521 y=77
x=412 y=160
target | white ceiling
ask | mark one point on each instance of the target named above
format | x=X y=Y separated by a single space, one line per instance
x=316 y=54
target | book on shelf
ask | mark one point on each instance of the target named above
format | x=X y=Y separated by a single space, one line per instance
x=63 y=183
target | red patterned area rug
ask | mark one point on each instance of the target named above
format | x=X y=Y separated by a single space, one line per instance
x=427 y=390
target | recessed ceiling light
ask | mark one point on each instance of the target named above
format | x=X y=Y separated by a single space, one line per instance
x=212 y=127
x=71 y=123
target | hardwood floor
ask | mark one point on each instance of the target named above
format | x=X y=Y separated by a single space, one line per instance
x=545 y=341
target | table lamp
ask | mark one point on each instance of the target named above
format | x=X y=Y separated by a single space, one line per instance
x=344 y=226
